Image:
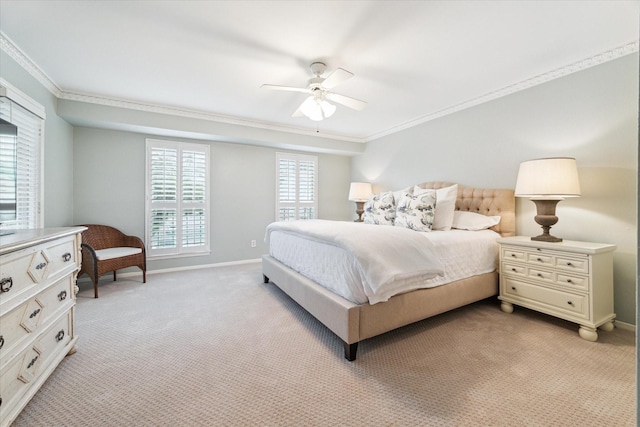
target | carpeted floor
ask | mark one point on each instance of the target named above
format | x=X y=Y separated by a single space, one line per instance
x=217 y=347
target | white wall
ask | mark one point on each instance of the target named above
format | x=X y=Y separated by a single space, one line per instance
x=109 y=189
x=591 y=115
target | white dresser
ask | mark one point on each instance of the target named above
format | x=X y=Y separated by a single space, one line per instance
x=38 y=270
x=570 y=280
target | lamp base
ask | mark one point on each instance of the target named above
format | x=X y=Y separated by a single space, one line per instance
x=546 y=217
x=547 y=238
x=359 y=211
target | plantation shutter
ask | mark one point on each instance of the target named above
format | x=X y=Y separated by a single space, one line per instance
x=296 y=186
x=177 y=198
x=28 y=177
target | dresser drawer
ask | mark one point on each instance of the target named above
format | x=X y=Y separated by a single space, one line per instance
x=23 y=370
x=61 y=255
x=25 y=320
x=19 y=273
x=523 y=292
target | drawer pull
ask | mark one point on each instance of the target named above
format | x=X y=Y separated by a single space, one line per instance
x=513 y=288
x=33 y=361
x=569 y=281
x=569 y=302
x=539 y=274
x=62 y=295
x=1 y=341
x=569 y=264
x=66 y=257
x=513 y=269
x=3 y=283
x=34 y=314
x=41 y=266
x=60 y=335
x=513 y=255
x=539 y=259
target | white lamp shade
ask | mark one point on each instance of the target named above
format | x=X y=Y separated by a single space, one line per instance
x=551 y=178
x=359 y=191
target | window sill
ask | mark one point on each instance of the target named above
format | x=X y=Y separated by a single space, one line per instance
x=173 y=256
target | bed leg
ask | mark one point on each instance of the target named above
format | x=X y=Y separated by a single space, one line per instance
x=265 y=279
x=350 y=351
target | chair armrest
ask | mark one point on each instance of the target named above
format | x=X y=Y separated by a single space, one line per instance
x=133 y=241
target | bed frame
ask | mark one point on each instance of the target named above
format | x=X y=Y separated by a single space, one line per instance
x=353 y=323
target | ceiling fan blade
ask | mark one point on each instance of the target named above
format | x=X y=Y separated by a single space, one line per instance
x=337 y=77
x=347 y=101
x=286 y=88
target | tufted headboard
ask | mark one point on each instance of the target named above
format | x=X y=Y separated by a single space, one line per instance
x=489 y=202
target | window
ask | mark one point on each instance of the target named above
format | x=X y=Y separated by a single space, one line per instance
x=177 y=211
x=296 y=187
x=28 y=156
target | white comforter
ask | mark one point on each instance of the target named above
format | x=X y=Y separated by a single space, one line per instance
x=390 y=259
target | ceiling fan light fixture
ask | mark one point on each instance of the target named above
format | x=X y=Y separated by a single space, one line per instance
x=317 y=109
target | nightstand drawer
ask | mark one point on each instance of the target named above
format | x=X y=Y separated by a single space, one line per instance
x=513 y=254
x=576 y=305
x=578 y=265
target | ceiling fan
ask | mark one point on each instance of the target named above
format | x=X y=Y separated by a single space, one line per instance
x=316 y=106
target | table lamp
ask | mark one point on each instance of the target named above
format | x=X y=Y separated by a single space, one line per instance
x=359 y=192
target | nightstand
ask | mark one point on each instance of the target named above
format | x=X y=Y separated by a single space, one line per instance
x=569 y=279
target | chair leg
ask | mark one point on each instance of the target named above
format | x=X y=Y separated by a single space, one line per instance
x=114 y=275
x=144 y=276
x=95 y=288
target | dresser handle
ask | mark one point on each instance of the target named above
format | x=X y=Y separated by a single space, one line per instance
x=539 y=259
x=60 y=335
x=513 y=255
x=513 y=269
x=569 y=281
x=569 y=302
x=32 y=362
x=1 y=341
x=539 y=274
x=3 y=282
x=513 y=288
x=41 y=266
x=569 y=264
x=62 y=295
x=66 y=257
x=34 y=314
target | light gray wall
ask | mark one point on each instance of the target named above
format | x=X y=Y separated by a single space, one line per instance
x=591 y=115
x=58 y=147
x=110 y=178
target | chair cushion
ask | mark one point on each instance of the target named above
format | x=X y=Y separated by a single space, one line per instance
x=109 y=253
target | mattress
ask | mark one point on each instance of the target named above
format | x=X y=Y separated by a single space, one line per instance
x=462 y=253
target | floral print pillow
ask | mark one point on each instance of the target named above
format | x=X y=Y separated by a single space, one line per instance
x=380 y=209
x=416 y=211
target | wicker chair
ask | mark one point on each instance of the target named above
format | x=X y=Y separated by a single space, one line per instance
x=106 y=249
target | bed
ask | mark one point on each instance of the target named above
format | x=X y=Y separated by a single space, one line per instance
x=354 y=321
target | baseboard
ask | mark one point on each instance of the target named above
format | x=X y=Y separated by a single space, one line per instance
x=625 y=326
x=85 y=278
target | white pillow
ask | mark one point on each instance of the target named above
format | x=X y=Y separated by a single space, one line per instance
x=465 y=220
x=380 y=209
x=416 y=211
x=445 y=206
x=398 y=193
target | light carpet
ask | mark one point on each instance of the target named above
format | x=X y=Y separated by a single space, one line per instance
x=217 y=347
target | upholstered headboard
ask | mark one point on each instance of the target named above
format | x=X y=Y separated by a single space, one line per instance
x=489 y=202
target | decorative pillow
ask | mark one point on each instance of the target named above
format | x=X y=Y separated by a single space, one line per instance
x=380 y=209
x=473 y=221
x=416 y=211
x=397 y=194
x=445 y=206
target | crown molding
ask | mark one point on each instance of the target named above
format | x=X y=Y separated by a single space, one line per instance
x=598 y=59
x=11 y=49
x=23 y=60
x=193 y=114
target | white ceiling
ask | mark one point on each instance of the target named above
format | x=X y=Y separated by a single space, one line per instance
x=412 y=60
